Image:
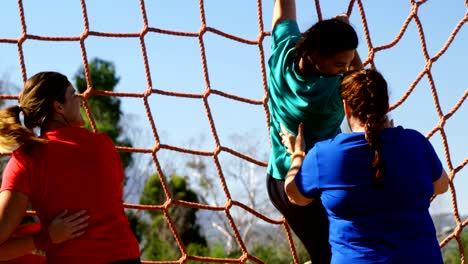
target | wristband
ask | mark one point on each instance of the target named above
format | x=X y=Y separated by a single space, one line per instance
x=297 y=154
x=42 y=240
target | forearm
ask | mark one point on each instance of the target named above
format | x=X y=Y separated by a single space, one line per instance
x=283 y=10
x=16 y=247
x=290 y=187
x=13 y=206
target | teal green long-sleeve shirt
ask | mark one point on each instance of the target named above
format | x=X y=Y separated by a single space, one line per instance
x=315 y=100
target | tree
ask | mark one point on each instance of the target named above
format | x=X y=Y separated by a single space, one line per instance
x=105 y=109
x=245 y=181
x=159 y=241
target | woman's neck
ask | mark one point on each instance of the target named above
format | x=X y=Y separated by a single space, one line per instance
x=53 y=123
x=355 y=125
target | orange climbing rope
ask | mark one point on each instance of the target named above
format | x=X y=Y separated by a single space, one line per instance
x=453 y=169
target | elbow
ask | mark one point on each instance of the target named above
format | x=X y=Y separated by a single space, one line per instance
x=441 y=189
x=442 y=184
x=293 y=194
x=444 y=188
x=300 y=202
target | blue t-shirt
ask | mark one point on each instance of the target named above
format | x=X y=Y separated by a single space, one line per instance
x=371 y=224
x=314 y=101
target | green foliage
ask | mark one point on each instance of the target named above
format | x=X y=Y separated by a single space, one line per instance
x=270 y=254
x=159 y=240
x=217 y=251
x=195 y=249
x=105 y=109
x=277 y=250
x=103 y=78
x=153 y=193
x=138 y=226
x=267 y=253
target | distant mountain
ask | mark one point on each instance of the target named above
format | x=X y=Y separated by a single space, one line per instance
x=445 y=223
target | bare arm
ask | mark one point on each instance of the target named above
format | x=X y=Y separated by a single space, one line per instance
x=290 y=187
x=16 y=247
x=61 y=229
x=296 y=146
x=441 y=185
x=283 y=10
x=13 y=206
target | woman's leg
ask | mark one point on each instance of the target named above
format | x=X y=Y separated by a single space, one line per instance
x=309 y=223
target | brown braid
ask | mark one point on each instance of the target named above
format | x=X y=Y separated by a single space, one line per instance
x=326 y=37
x=366 y=94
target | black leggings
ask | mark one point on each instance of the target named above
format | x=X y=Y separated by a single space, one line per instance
x=309 y=223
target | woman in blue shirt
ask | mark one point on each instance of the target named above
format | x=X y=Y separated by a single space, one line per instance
x=375 y=183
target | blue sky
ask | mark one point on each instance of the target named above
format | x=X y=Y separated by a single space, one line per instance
x=175 y=63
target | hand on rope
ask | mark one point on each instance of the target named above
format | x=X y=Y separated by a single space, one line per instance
x=343 y=18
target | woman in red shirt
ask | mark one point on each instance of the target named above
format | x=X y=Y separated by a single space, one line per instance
x=66 y=167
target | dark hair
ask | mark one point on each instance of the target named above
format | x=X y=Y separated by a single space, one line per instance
x=326 y=37
x=36 y=102
x=366 y=93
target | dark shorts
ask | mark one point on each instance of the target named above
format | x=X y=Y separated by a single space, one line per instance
x=309 y=223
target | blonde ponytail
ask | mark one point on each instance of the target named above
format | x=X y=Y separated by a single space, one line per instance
x=12 y=133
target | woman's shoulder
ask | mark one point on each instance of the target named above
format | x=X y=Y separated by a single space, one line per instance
x=284 y=36
x=81 y=136
x=286 y=27
x=342 y=141
x=26 y=153
x=88 y=134
x=105 y=141
x=348 y=138
x=401 y=133
x=21 y=156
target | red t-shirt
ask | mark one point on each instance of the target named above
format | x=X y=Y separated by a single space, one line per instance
x=27 y=259
x=76 y=170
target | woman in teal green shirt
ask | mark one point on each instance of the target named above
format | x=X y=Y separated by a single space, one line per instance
x=303 y=86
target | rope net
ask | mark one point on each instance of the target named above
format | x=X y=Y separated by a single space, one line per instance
x=355 y=9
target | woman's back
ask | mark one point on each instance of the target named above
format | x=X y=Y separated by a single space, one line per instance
x=79 y=170
x=371 y=223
